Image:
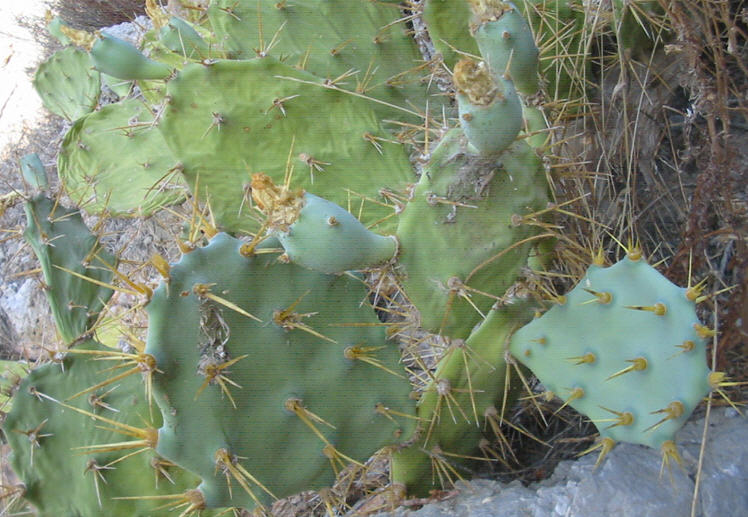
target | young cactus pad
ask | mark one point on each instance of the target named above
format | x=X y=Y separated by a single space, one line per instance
x=274 y=376
x=506 y=43
x=490 y=110
x=120 y=59
x=68 y=251
x=624 y=349
x=317 y=233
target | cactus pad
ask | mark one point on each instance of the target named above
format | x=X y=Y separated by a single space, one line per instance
x=275 y=405
x=46 y=439
x=120 y=59
x=506 y=43
x=624 y=349
x=66 y=248
x=468 y=385
x=317 y=233
x=67 y=85
x=113 y=160
x=316 y=36
x=222 y=115
x=459 y=247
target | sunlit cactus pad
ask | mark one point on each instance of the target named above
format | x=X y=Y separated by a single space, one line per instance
x=328 y=38
x=626 y=349
x=222 y=117
x=67 y=84
x=114 y=160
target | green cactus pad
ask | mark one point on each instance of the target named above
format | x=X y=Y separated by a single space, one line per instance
x=33 y=172
x=471 y=375
x=457 y=236
x=113 y=160
x=181 y=37
x=489 y=108
x=304 y=348
x=507 y=44
x=166 y=47
x=587 y=340
x=328 y=239
x=120 y=59
x=317 y=36
x=54 y=472
x=63 y=243
x=448 y=23
x=221 y=116
x=67 y=84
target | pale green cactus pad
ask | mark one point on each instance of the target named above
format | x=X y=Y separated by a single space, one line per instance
x=67 y=84
x=625 y=349
x=113 y=160
x=221 y=117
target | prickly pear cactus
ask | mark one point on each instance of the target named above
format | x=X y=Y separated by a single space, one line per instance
x=67 y=84
x=273 y=376
x=270 y=371
x=626 y=348
x=115 y=161
x=76 y=267
x=69 y=463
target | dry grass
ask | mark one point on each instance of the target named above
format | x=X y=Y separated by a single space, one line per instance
x=95 y=14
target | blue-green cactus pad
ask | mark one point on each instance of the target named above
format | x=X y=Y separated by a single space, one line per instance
x=552 y=344
x=272 y=443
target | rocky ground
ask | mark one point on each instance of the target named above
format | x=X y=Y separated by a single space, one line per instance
x=629 y=483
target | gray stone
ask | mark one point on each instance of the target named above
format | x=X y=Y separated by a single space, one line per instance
x=628 y=483
x=28 y=318
x=131 y=31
